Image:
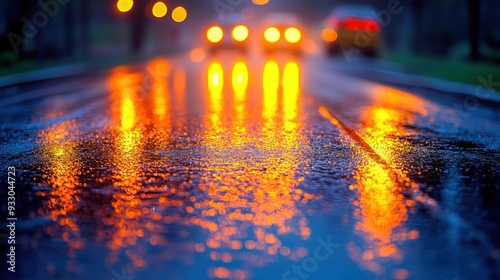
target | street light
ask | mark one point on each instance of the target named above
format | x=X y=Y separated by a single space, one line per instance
x=124 y=5
x=179 y=14
x=260 y=2
x=159 y=9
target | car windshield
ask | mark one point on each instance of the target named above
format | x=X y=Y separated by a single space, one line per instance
x=282 y=18
x=232 y=18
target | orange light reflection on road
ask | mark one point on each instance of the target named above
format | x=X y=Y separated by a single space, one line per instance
x=158 y=72
x=63 y=168
x=136 y=220
x=126 y=158
x=382 y=208
x=247 y=197
x=180 y=107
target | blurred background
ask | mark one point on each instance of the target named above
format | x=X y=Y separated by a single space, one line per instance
x=44 y=33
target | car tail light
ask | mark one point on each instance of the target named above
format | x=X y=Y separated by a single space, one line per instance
x=272 y=35
x=368 y=25
x=292 y=35
x=240 y=33
x=335 y=22
x=215 y=34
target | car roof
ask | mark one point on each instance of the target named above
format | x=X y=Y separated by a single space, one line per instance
x=232 y=18
x=354 y=10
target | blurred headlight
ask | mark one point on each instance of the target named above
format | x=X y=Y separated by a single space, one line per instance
x=215 y=34
x=329 y=35
x=240 y=33
x=272 y=34
x=292 y=35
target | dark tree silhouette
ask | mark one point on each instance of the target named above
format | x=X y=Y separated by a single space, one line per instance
x=16 y=11
x=138 y=25
x=85 y=27
x=474 y=29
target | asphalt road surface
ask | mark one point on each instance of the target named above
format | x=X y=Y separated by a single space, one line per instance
x=249 y=168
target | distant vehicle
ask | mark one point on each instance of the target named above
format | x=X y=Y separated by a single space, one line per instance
x=230 y=32
x=352 y=26
x=282 y=31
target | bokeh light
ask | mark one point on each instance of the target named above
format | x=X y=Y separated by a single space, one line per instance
x=272 y=34
x=240 y=33
x=292 y=35
x=179 y=14
x=329 y=35
x=159 y=9
x=124 y=5
x=260 y=2
x=215 y=34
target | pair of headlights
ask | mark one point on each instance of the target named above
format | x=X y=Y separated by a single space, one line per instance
x=291 y=34
x=240 y=33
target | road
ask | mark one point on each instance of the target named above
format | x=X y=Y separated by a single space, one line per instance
x=249 y=168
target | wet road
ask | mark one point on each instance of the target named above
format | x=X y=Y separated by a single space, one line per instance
x=249 y=168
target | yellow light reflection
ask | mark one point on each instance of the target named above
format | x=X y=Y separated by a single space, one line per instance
x=215 y=85
x=291 y=91
x=240 y=79
x=128 y=111
x=270 y=84
x=240 y=84
x=215 y=78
